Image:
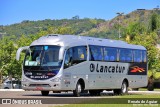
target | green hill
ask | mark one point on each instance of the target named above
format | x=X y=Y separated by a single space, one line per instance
x=141 y=27
x=32 y=27
x=109 y=29
x=86 y=26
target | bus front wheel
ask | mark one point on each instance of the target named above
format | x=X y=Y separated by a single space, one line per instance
x=78 y=90
x=44 y=93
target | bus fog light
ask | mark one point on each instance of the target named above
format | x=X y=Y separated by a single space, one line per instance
x=55 y=85
x=25 y=80
x=24 y=85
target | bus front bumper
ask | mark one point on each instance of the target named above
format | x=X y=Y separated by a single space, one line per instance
x=36 y=86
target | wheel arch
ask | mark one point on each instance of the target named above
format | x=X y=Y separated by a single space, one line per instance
x=82 y=82
x=126 y=80
x=6 y=87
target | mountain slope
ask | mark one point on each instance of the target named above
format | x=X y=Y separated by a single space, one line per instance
x=86 y=26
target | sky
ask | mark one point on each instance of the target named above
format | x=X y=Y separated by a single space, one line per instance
x=15 y=11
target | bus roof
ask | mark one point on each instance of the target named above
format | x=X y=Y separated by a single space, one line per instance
x=72 y=40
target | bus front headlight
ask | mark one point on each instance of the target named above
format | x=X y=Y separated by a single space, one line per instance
x=56 y=79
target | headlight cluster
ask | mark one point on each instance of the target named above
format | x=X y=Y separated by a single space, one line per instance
x=56 y=79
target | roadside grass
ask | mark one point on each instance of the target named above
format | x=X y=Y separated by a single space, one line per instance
x=140 y=96
x=145 y=89
x=155 y=74
x=118 y=101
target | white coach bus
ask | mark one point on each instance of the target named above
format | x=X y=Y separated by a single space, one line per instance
x=78 y=63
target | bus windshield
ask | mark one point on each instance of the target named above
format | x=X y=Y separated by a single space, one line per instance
x=44 y=55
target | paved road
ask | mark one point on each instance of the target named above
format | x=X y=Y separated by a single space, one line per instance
x=58 y=97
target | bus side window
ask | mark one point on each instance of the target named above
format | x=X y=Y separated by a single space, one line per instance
x=79 y=54
x=99 y=53
x=129 y=55
x=144 y=56
x=82 y=53
x=68 y=58
x=137 y=56
x=110 y=54
x=122 y=55
x=93 y=53
x=96 y=53
x=126 y=55
x=113 y=54
x=106 y=56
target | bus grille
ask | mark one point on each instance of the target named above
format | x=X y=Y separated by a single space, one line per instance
x=39 y=85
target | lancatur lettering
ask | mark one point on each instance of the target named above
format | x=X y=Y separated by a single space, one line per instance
x=109 y=69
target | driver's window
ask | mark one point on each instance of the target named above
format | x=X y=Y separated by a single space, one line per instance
x=68 y=58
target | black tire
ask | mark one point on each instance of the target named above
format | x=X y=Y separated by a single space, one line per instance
x=150 y=87
x=78 y=90
x=98 y=92
x=92 y=92
x=135 y=89
x=95 y=92
x=116 y=91
x=44 y=93
x=56 y=91
x=6 y=88
x=123 y=90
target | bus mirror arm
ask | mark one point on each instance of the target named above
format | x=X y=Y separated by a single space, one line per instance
x=19 y=52
x=61 y=53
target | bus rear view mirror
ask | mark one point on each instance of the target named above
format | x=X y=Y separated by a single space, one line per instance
x=61 y=53
x=19 y=52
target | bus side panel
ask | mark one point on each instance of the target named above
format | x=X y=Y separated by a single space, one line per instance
x=74 y=73
x=137 y=81
x=137 y=75
x=101 y=75
x=97 y=75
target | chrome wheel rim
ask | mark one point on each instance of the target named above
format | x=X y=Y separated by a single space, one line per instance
x=79 y=88
x=124 y=88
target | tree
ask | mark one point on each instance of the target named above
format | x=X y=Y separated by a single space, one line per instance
x=134 y=29
x=7 y=55
x=154 y=22
x=75 y=17
x=60 y=30
x=149 y=41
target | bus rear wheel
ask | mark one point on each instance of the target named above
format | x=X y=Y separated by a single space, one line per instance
x=135 y=89
x=123 y=90
x=78 y=90
x=44 y=93
x=92 y=92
